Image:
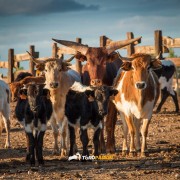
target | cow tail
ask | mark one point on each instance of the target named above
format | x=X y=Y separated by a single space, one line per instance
x=1 y=124
x=177 y=83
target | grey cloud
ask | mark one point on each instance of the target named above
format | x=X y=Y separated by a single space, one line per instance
x=36 y=7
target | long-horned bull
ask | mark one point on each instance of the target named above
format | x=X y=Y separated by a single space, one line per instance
x=101 y=67
x=59 y=78
x=98 y=58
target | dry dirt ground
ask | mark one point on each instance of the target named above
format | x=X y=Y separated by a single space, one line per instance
x=163 y=161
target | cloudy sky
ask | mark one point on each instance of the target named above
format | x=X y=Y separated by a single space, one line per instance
x=36 y=22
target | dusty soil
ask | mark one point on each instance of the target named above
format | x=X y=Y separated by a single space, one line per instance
x=163 y=161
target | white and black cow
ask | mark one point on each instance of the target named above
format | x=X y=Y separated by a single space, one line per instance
x=5 y=110
x=35 y=111
x=165 y=76
x=85 y=108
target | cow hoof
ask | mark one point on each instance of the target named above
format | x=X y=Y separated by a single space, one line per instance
x=124 y=153
x=133 y=154
x=63 y=152
x=144 y=154
x=7 y=146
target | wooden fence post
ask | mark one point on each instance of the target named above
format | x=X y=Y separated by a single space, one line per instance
x=54 y=50
x=158 y=43
x=78 y=63
x=31 y=63
x=10 y=65
x=103 y=40
x=130 y=47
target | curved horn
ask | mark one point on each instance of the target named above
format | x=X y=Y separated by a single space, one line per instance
x=42 y=60
x=70 y=59
x=125 y=58
x=119 y=44
x=158 y=56
x=35 y=60
x=74 y=45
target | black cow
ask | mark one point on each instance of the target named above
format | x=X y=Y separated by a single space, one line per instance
x=35 y=111
x=86 y=109
x=165 y=76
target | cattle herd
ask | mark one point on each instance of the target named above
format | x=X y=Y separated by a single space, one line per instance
x=108 y=85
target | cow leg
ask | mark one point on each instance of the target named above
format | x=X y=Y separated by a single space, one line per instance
x=63 y=126
x=144 y=132
x=137 y=124
x=96 y=141
x=5 y=116
x=85 y=141
x=102 y=146
x=164 y=95
x=131 y=128
x=31 y=140
x=125 y=133
x=110 y=127
x=55 y=134
x=175 y=99
x=27 y=149
x=39 y=147
x=72 y=140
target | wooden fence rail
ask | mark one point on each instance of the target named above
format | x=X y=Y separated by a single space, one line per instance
x=161 y=45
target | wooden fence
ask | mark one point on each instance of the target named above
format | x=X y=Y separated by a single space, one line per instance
x=161 y=45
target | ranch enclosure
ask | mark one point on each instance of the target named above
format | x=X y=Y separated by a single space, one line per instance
x=162 y=44
x=163 y=140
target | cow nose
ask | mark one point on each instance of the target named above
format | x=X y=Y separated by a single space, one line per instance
x=141 y=85
x=53 y=85
x=96 y=82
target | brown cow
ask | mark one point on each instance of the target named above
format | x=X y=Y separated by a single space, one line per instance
x=101 y=68
x=138 y=88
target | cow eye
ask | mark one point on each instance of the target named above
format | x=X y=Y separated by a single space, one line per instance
x=60 y=69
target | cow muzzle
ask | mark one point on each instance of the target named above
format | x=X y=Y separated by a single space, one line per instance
x=54 y=85
x=96 y=82
x=141 y=85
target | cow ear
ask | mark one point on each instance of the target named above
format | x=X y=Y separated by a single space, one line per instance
x=113 y=56
x=65 y=66
x=80 y=57
x=23 y=91
x=23 y=94
x=113 y=92
x=126 y=66
x=90 y=95
x=46 y=92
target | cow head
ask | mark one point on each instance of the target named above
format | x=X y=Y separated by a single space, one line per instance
x=96 y=57
x=101 y=95
x=14 y=88
x=140 y=66
x=35 y=94
x=53 y=69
